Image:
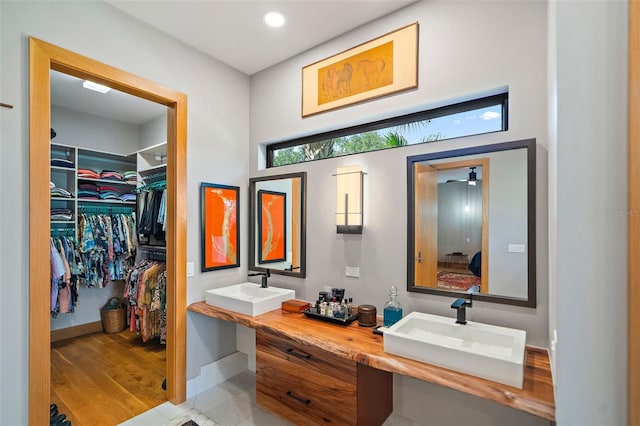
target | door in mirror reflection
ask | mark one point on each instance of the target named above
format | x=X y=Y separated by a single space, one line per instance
x=449 y=233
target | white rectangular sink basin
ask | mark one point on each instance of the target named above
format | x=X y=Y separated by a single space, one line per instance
x=248 y=298
x=482 y=350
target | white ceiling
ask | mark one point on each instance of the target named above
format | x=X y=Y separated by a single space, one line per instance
x=231 y=31
x=67 y=92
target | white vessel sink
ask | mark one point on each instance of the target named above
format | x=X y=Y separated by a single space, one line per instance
x=248 y=298
x=482 y=350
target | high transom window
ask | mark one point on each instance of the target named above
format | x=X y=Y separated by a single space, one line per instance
x=474 y=117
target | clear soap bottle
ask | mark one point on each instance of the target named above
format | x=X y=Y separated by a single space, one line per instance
x=392 y=309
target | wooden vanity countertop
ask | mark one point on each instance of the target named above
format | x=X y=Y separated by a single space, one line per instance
x=361 y=345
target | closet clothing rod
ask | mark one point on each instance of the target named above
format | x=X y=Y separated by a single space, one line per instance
x=105 y=210
x=161 y=184
x=64 y=232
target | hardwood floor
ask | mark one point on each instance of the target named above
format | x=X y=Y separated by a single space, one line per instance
x=105 y=379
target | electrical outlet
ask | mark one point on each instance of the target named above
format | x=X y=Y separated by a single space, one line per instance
x=352 y=271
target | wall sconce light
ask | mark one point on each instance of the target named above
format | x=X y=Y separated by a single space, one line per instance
x=349 y=200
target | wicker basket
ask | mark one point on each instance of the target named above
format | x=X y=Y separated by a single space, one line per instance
x=113 y=315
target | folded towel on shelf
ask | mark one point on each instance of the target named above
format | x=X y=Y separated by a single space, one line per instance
x=84 y=193
x=62 y=162
x=109 y=195
x=111 y=175
x=61 y=214
x=60 y=192
x=130 y=176
x=107 y=188
x=88 y=173
x=89 y=187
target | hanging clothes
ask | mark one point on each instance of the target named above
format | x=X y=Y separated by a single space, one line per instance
x=108 y=245
x=66 y=267
x=152 y=206
x=152 y=209
x=145 y=291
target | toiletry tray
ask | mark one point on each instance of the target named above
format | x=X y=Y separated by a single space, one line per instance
x=313 y=313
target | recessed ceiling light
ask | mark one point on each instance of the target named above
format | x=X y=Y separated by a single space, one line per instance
x=95 y=86
x=274 y=19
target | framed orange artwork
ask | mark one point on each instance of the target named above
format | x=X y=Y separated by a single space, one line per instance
x=220 y=208
x=272 y=226
x=379 y=67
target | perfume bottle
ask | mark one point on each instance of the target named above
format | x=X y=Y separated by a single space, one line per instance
x=392 y=309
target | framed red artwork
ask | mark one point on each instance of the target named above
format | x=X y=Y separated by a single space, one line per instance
x=220 y=209
x=272 y=226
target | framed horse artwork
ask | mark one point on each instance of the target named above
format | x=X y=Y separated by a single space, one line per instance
x=379 y=67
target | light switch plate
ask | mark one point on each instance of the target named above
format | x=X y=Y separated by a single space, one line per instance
x=516 y=248
x=189 y=269
x=352 y=271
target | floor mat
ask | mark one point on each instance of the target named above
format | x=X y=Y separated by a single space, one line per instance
x=192 y=417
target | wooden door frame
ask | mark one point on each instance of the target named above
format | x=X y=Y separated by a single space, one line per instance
x=44 y=57
x=633 y=297
x=425 y=247
x=482 y=162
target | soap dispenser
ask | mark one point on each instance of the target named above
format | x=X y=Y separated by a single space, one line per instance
x=392 y=309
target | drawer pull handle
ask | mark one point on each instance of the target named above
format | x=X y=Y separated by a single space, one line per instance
x=292 y=351
x=303 y=401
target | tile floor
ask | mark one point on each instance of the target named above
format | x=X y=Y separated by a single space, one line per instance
x=231 y=403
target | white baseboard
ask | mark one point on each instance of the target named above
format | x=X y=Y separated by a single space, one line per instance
x=217 y=372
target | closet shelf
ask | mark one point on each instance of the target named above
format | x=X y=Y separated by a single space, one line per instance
x=63 y=169
x=88 y=200
x=160 y=167
x=116 y=182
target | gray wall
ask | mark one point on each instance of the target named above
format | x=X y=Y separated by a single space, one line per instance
x=218 y=139
x=459 y=219
x=590 y=189
x=508 y=223
x=153 y=132
x=465 y=48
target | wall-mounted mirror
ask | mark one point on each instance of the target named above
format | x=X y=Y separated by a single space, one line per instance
x=277 y=224
x=471 y=222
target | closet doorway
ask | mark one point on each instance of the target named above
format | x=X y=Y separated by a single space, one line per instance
x=45 y=57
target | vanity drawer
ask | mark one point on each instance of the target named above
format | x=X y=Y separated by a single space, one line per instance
x=311 y=357
x=301 y=396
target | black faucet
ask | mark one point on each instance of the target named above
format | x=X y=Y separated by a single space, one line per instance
x=461 y=305
x=264 y=275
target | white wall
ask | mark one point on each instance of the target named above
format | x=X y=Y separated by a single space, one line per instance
x=91 y=132
x=153 y=132
x=218 y=135
x=459 y=219
x=591 y=208
x=466 y=47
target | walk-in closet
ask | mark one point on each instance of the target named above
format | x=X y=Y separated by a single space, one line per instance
x=108 y=203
